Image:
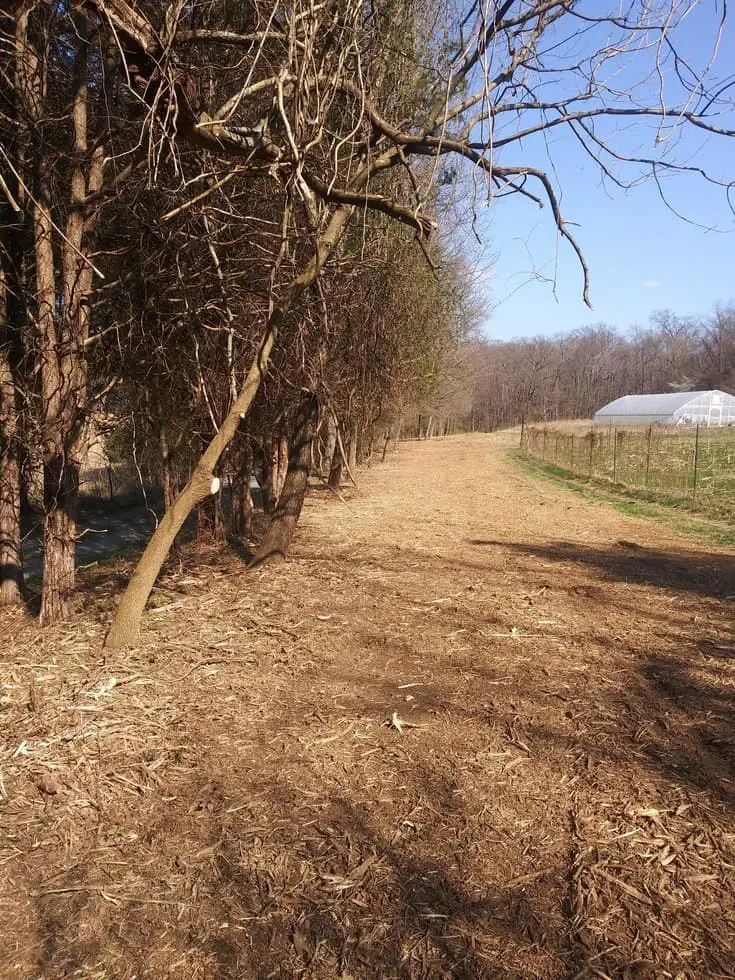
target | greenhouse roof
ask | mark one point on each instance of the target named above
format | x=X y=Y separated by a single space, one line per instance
x=663 y=404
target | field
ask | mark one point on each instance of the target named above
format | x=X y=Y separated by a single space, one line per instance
x=690 y=464
x=476 y=727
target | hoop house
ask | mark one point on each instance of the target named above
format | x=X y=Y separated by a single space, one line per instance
x=673 y=408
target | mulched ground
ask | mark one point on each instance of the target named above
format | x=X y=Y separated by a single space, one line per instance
x=476 y=727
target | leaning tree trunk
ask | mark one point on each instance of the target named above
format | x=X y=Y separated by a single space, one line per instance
x=126 y=625
x=277 y=541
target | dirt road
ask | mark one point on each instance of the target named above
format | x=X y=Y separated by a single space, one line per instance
x=477 y=727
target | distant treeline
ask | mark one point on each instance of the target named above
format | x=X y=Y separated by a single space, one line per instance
x=571 y=375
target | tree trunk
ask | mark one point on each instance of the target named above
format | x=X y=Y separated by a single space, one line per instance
x=270 y=486
x=283 y=459
x=277 y=541
x=11 y=567
x=242 y=499
x=167 y=476
x=335 y=470
x=61 y=494
x=275 y=467
x=62 y=304
x=330 y=444
x=352 y=449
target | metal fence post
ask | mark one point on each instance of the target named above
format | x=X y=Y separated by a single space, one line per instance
x=571 y=461
x=648 y=454
x=592 y=448
x=696 y=461
x=543 y=448
x=523 y=429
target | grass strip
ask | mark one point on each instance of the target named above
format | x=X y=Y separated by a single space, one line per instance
x=633 y=503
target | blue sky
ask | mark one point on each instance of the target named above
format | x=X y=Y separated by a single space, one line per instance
x=641 y=256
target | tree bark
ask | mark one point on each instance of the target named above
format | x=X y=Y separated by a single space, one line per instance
x=242 y=499
x=11 y=566
x=167 y=476
x=277 y=541
x=335 y=470
x=60 y=493
x=282 y=466
x=275 y=467
x=352 y=448
x=13 y=315
x=330 y=444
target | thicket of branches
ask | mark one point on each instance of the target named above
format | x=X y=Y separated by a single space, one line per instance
x=572 y=375
x=219 y=220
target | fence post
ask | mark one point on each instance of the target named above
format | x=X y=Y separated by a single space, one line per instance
x=556 y=449
x=615 y=455
x=592 y=448
x=543 y=448
x=696 y=461
x=648 y=454
x=523 y=429
x=571 y=461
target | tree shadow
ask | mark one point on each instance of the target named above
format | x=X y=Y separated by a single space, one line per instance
x=700 y=572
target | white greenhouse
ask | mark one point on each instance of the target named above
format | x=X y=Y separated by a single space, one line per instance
x=672 y=408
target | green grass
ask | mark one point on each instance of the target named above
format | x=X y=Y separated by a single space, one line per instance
x=631 y=502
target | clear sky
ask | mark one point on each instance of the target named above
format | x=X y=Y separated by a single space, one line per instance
x=641 y=256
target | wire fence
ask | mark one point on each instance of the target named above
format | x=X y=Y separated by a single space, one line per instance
x=695 y=464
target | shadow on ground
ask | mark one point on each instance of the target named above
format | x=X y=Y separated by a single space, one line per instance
x=688 y=571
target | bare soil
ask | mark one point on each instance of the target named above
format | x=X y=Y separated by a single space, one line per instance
x=240 y=797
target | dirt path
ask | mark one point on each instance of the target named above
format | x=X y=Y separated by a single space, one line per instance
x=231 y=800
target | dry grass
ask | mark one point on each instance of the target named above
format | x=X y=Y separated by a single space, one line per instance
x=240 y=797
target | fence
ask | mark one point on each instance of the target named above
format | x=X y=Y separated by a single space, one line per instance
x=695 y=463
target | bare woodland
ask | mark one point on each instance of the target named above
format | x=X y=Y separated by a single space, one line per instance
x=228 y=226
x=574 y=374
